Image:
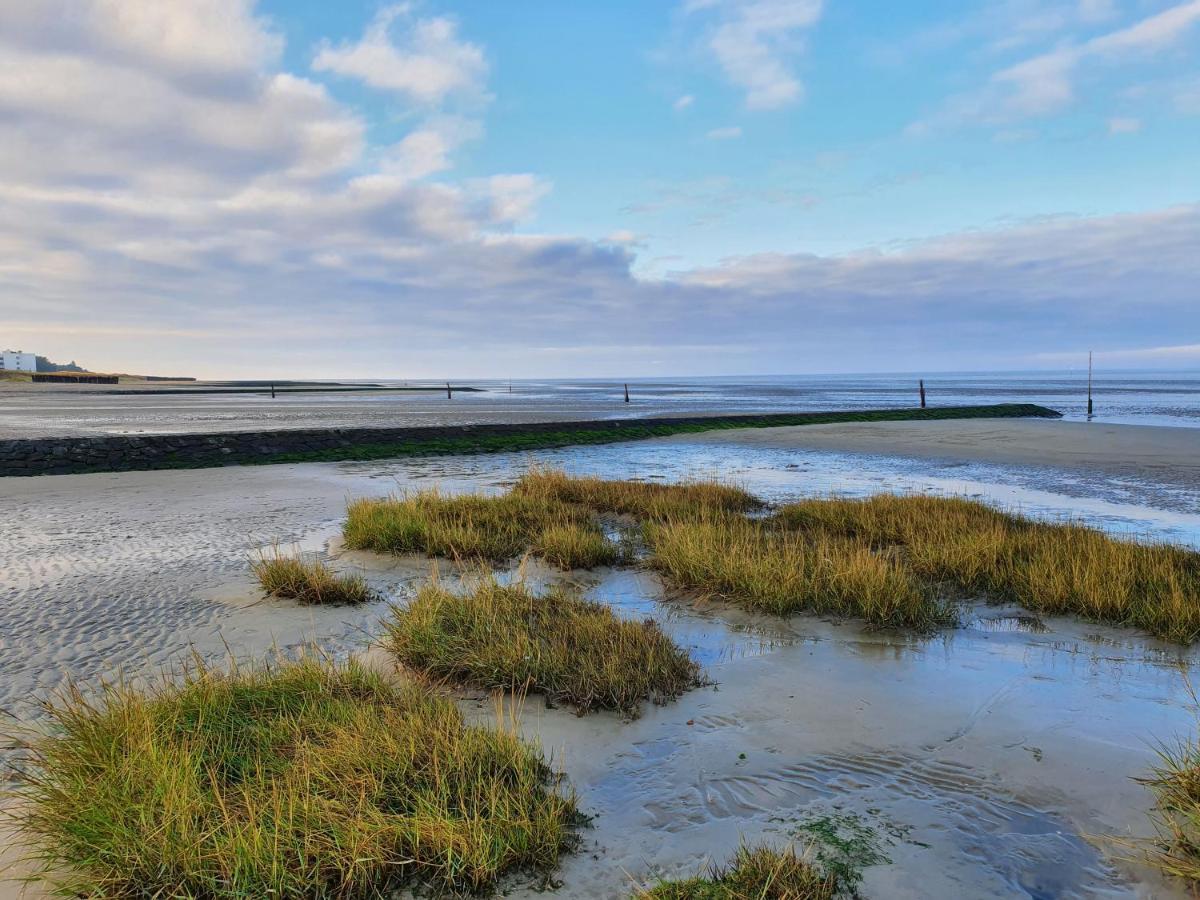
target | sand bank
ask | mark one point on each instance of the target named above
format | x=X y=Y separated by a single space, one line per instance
x=1148 y=451
x=981 y=758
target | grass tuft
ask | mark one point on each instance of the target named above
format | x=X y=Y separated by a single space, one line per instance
x=572 y=650
x=304 y=779
x=547 y=513
x=642 y=500
x=472 y=526
x=1176 y=785
x=760 y=873
x=1048 y=568
x=782 y=573
x=890 y=560
x=308 y=581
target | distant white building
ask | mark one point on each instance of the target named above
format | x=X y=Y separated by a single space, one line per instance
x=16 y=361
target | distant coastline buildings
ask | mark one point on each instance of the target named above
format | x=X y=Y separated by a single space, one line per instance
x=17 y=361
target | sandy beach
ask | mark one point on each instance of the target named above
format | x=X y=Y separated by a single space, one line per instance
x=1167 y=455
x=974 y=756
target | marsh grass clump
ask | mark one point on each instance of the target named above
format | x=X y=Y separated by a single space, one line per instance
x=576 y=546
x=642 y=500
x=761 y=873
x=572 y=650
x=780 y=572
x=1048 y=568
x=473 y=526
x=547 y=513
x=308 y=581
x=1176 y=786
x=303 y=779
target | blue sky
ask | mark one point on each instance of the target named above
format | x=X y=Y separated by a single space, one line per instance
x=540 y=188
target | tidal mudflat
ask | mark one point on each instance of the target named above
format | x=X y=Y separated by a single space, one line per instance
x=991 y=759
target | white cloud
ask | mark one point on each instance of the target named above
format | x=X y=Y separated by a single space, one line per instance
x=1124 y=125
x=754 y=44
x=203 y=202
x=422 y=59
x=683 y=102
x=427 y=150
x=728 y=133
x=200 y=40
x=1045 y=83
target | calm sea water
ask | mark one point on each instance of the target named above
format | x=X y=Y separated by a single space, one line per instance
x=1146 y=398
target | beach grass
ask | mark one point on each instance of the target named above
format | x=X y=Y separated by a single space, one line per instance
x=1050 y=568
x=761 y=873
x=894 y=561
x=572 y=650
x=645 y=501
x=308 y=581
x=476 y=527
x=547 y=513
x=1175 y=782
x=300 y=779
x=780 y=572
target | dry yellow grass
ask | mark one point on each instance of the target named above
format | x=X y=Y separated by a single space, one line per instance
x=476 y=527
x=571 y=650
x=781 y=572
x=547 y=513
x=642 y=500
x=1049 y=568
x=309 y=581
x=889 y=559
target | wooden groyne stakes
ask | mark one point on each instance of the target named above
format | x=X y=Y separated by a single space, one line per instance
x=921 y=383
x=626 y=393
x=1089 y=384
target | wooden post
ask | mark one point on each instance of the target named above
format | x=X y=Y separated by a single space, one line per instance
x=627 y=393
x=922 y=384
x=1089 y=384
x=449 y=394
x=272 y=390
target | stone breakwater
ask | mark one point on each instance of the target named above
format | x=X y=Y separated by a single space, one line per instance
x=114 y=453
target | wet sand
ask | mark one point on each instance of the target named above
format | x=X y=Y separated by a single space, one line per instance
x=992 y=760
x=1168 y=455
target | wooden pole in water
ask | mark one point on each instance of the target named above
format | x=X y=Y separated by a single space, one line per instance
x=449 y=395
x=627 y=393
x=922 y=385
x=272 y=390
x=1089 y=384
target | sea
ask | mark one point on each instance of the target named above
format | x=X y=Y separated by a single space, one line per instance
x=1130 y=397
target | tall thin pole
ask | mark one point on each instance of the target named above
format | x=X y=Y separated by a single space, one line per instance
x=626 y=393
x=449 y=396
x=922 y=384
x=1089 y=384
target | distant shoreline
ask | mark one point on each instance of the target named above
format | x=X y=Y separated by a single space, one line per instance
x=217 y=389
x=110 y=453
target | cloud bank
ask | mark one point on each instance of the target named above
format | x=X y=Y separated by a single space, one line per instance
x=172 y=198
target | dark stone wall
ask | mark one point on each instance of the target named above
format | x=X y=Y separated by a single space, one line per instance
x=113 y=453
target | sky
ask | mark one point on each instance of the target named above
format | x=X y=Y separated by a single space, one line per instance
x=299 y=188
